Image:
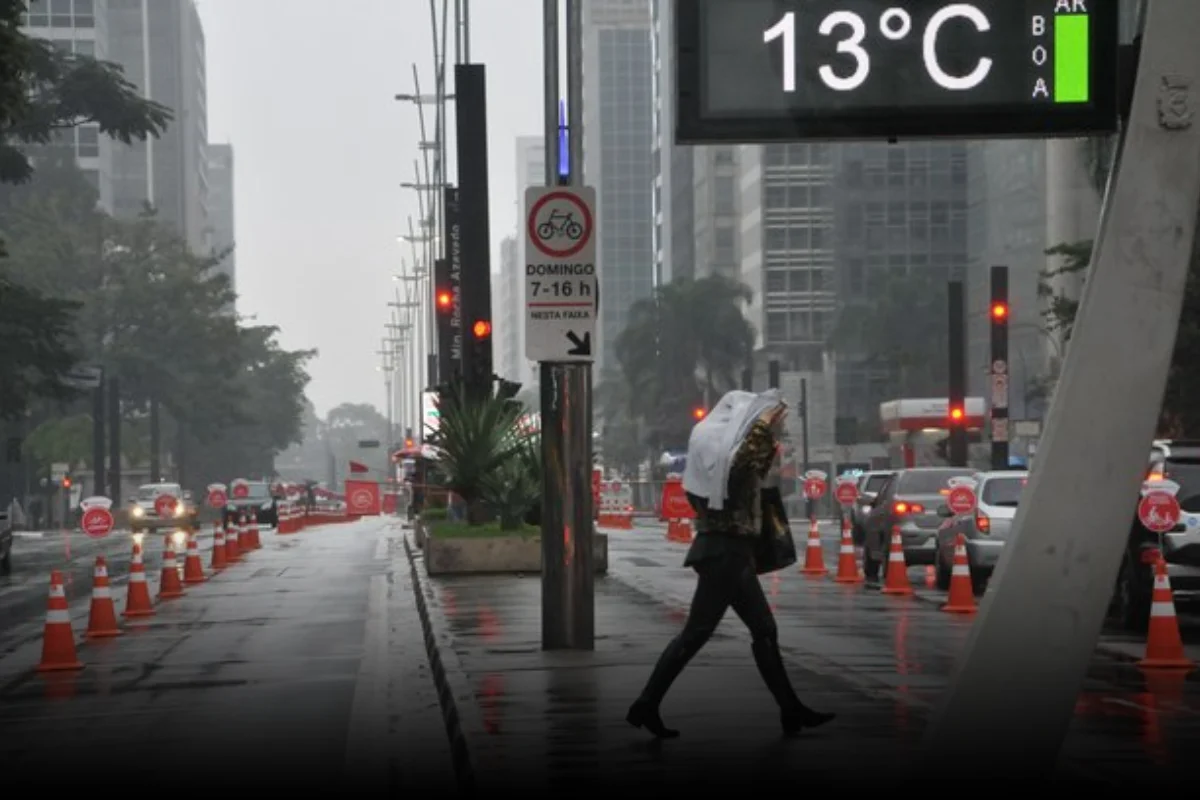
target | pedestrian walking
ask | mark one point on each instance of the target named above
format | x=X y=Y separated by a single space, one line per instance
x=732 y=481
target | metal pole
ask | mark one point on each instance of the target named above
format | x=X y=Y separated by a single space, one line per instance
x=466 y=31
x=98 y=476
x=998 y=369
x=457 y=31
x=568 y=599
x=1028 y=652
x=957 y=373
x=114 y=440
x=804 y=435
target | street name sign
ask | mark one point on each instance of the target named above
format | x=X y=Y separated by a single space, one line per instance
x=792 y=70
x=561 y=290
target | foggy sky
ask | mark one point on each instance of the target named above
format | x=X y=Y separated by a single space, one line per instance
x=303 y=91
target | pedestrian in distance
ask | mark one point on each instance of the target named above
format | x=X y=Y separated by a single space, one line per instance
x=732 y=481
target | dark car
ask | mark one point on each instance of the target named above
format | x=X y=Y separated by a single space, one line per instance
x=869 y=484
x=259 y=501
x=907 y=503
x=1177 y=461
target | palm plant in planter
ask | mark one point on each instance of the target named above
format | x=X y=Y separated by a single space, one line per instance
x=515 y=486
x=476 y=438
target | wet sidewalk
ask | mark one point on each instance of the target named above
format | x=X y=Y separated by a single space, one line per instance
x=539 y=719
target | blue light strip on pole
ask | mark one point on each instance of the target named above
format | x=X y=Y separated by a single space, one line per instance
x=564 y=149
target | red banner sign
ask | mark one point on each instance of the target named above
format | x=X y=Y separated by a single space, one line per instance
x=362 y=498
x=675 y=504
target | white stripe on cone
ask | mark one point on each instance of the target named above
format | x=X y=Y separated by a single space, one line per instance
x=56 y=590
x=101 y=572
x=137 y=577
x=1162 y=609
x=961 y=570
x=57 y=616
x=101 y=591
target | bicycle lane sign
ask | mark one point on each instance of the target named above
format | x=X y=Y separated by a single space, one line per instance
x=561 y=291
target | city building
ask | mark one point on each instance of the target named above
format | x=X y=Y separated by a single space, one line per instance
x=79 y=27
x=618 y=78
x=508 y=317
x=508 y=292
x=160 y=45
x=221 y=207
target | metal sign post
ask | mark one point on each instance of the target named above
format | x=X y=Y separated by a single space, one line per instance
x=568 y=597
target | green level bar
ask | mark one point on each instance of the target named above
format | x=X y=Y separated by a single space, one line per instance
x=1072 y=54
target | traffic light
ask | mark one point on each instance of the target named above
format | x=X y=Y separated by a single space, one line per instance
x=956 y=395
x=999 y=368
x=66 y=482
x=956 y=416
x=698 y=413
x=477 y=361
x=445 y=300
x=482 y=329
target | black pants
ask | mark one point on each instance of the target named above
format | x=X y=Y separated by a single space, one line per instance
x=728 y=581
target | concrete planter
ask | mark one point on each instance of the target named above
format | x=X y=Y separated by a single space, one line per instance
x=495 y=555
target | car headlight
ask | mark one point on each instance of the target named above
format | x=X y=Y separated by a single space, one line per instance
x=180 y=509
x=180 y=538
x=138 y=511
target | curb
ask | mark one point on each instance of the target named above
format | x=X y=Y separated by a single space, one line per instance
x=449 y=683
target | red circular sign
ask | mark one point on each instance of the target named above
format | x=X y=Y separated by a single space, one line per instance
x=361 y=500
x=577 y=232
x=217 y=498
x=961 y=500
x=846 y=493
x=814 y=488
x=241 y=490
x=164 y=505
x=1159 y=511
x=97 y=522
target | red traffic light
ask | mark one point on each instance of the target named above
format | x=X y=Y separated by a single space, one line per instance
x=66 y=483
x=699 y=413
x=444 y=299
x=957 y=414
x=999 y=312
x=482 y=329
x=408 y=442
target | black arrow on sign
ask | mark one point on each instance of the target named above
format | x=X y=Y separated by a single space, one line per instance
x=583 y=347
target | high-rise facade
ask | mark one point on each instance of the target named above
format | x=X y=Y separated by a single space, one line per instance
x=78 y=26
x=508 y=313
x=221 y=207
x=618 y=77
x=160 y=44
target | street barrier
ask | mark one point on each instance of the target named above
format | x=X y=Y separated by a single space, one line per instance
x=102 y=616
x=962 y=592
x=677 y=511
x=58 y=642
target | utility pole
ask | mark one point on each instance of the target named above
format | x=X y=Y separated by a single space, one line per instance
x=806 y=466
x=98 y=439
x=568 y=590
x=114 y=440
x=998 y=369
x=957 y=347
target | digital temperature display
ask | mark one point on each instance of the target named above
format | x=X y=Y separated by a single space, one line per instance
x=789 y=70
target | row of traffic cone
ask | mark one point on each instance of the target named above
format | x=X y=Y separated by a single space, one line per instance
x=1164 y=645
x=679 y=530
x=58 y=640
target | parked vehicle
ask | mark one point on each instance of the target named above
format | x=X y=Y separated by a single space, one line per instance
x=869 y=484
x=986 y=528
x=907 y=503
x=259 y=501
x=1178 y=461
x=143 y=516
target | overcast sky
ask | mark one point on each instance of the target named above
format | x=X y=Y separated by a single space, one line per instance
x=303 y=90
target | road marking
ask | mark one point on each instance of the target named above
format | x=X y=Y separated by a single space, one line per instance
x=28 y=534
x=367 y=747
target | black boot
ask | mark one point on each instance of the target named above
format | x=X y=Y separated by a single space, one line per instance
x=793 y=714
x=644 y=711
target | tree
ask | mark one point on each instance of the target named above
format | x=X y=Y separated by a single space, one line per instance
x=681 y=347
x=44 y=90
x=348 y=424
x=35 y=353
x=901 y=332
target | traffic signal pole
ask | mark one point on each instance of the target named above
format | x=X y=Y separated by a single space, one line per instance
x=1027 y=655
x=998 y=370
x=957 y=396
x=568 y=591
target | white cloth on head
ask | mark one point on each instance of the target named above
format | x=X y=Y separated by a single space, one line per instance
x=715 y=441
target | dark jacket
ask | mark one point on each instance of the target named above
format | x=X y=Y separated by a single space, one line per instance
x=737 y=526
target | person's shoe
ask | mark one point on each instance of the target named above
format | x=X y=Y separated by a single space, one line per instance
x=797 y=719
x=644 y=714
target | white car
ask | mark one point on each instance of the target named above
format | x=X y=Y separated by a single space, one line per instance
x=143 y=516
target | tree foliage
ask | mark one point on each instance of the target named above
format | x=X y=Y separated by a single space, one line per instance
x=44 y=90
x=688 y=341
x=33 y=356
x=902 y=333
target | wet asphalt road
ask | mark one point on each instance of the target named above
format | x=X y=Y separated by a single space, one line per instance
x=296 y=668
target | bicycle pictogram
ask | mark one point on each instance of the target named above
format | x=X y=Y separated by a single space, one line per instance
x=560 y=223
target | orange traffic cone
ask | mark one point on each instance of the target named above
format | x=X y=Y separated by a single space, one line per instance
x=814 y=557
x=169 y=586
x=218 y=553
x=897 y=569
x=58 y=641
x=102 y=619
x=244 y=543
x=962 y=596
x=137 y=600
x=233 y=553
x=255 y=530
x=1164 y=648
x=847 y=560
x=193 y=568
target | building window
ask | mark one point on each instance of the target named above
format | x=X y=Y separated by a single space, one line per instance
x=85 y=47
x=60 y=14
x=39 y=14
x=777 y=238
x=776 y=326
x=776 y=280
x=855 y=277
x=89 y=141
